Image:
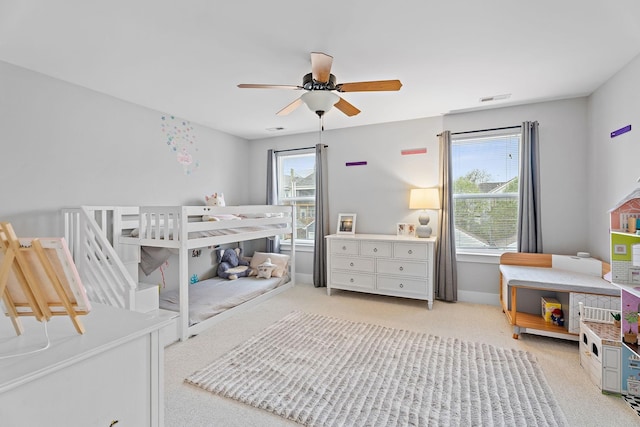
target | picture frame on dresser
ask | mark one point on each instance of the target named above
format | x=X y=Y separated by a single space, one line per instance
x=405 y=229
x=346 y=223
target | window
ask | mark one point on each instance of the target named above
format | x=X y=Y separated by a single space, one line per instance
x=296 y=172
x=485 y=191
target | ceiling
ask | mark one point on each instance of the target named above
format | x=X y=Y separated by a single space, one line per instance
x=186 y=58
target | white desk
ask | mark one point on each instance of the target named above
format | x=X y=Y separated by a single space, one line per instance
x=112 y=372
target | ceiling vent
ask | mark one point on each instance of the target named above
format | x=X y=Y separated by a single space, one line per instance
x=495 y=97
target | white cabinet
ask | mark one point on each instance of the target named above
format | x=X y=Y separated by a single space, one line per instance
x=114 y=372
x=382 y=264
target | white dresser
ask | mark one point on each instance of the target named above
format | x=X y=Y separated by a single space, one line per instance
x=381 y=264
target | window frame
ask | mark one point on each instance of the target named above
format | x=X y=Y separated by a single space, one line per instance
x=291 y=200
x=479 y=136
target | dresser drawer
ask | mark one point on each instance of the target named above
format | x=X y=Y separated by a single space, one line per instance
x=353 y=264
x=352 y=280
x=410 y=251
x=402 y=268
x=380 y=249
x=345 y=247
x=402 y=285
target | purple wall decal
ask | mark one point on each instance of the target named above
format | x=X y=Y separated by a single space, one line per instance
x=620 y=131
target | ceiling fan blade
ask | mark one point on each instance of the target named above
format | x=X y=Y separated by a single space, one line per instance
x=258 y=86
x=289 y=108
x=321 y=66
x=379 y=85
x=346 y=108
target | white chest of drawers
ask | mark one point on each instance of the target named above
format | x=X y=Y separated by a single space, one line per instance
x=381 y=264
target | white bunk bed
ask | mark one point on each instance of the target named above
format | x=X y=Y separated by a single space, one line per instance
x=181 y=229
x=184 y=229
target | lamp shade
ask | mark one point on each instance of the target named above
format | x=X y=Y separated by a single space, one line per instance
x=320 y=100
x=424 y=198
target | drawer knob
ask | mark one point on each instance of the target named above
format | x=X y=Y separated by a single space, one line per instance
x=401 y=268
x=375 y=249
x=351 y=264
x=351 y=280
x=401 y=285
x=410 y=251
x=344 y=248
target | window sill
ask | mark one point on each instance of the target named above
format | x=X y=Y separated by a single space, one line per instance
x=479 y=257
x=300 y=247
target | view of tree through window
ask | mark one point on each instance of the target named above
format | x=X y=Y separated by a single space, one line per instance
x=485 y=191
x=297 y=186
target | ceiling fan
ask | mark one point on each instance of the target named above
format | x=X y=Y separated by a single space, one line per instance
x=320 y=85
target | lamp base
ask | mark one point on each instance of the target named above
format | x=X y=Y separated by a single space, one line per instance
x=423 y=230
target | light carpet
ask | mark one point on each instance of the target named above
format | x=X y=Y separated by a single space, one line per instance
x=323 y=371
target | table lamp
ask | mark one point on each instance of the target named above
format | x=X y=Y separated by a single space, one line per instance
x=424 y=198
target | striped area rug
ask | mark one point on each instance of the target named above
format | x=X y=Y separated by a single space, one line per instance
x=323 y=371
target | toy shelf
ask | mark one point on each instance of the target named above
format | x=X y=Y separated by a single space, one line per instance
x=536 y=322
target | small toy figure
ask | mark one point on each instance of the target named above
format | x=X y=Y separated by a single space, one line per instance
x=557 y=317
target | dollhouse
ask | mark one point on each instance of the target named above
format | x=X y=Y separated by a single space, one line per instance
x=625 y=269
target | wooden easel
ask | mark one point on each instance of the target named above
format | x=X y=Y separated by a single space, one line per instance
x=38 y=278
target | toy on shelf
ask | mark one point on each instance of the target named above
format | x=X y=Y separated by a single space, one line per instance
x=557 y=317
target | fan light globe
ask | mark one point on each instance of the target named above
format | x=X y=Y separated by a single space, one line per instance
x=320 y=101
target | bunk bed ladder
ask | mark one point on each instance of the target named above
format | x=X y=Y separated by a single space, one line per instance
x=88 y=232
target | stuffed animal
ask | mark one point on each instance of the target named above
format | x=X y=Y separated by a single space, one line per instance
x=231 y=265
x=265 y=269
x=216 y=199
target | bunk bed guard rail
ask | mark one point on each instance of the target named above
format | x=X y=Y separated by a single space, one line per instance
x=168 y=226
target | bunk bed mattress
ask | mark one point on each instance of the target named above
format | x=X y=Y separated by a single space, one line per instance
x=213 y=296
x=215 y=232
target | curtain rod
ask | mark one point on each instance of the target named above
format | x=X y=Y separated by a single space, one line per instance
x=298 y=149
x=483 y=130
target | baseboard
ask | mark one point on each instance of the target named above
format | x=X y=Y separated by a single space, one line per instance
x=479 y=297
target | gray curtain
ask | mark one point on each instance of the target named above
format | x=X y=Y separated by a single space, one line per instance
x=529 y=220
x=273 y=243
x=446 y=272
x=322 y=219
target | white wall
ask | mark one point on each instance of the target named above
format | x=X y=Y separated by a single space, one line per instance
x=66 y=146
x=613 y=163
x=378 y=192
x=563 y=156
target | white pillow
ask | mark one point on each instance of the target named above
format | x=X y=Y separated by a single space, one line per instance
x=280 y=260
